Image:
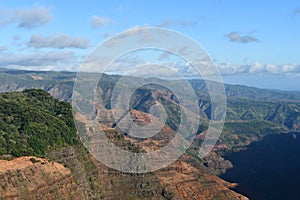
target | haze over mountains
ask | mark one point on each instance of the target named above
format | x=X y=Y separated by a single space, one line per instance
x=245 y=103
x=20 y=79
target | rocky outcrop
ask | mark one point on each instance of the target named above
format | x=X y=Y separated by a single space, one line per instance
x=37 y=178
x=181 y=180
x=187 y=182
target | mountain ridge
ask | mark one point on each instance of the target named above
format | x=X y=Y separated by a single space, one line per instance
x=233 y=90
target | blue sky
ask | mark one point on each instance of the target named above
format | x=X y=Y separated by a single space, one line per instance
x=253 y=42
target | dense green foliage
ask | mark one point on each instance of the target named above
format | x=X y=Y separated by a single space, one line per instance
x=248 y=131
x=280 y=112
x=32 y=122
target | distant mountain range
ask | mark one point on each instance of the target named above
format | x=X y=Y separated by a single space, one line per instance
x=49 y=79
x=244 y=103
x=252 y=114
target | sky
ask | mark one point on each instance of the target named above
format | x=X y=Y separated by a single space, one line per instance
x=252 y=42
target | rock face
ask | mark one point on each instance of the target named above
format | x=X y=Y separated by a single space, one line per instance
x=188 y=182
x=183 y=179
x=37 y=178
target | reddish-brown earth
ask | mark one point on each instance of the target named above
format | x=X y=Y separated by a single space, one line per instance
x=182 y=180
x=37 y=178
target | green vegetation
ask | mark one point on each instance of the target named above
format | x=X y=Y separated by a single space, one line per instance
x=242 y=133
x=283 y=113
x=32 y=123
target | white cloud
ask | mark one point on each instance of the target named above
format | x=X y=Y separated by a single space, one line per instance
x=169 y=22
x=291 y=68
x=3 y=48
x=40 y=60
x=236 y=37
x=100 y=21
x=32 y=17
x=5 y=16
x=59 y=41
x=272 y=68
x=229 y=69
x=28 y=17
x=135 y=32
x=258 y=68
x=186 y=69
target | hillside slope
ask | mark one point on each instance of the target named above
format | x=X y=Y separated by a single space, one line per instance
x=43 y=126
x=34 y=123
x=35 y=178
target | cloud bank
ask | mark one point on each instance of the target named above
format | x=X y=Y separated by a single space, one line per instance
x=258 y=68
x=53 y=60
